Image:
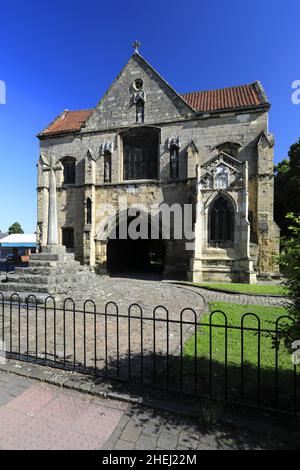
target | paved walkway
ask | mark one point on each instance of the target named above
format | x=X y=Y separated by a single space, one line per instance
x=34 y=415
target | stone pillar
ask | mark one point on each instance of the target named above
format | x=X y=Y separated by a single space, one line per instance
x=89 y=192
x=101 y=256
x=267 y=230
x=243 y=265
x=195 y=268
x=52 y=232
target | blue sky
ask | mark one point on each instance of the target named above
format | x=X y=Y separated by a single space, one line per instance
x=58 y=54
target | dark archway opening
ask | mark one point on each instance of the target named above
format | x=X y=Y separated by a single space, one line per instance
x=135 y=257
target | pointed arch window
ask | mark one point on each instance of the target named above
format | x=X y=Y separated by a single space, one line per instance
x=88 y=211
x=221 y=222
x=107 y=166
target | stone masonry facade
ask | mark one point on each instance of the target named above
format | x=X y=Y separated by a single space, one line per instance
x=222 y=154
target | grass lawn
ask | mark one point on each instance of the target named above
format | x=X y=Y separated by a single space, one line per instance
x=234 y=312
x=244 y=288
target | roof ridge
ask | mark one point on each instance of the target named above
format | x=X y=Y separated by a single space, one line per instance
x=217 y=89
x=76 y=110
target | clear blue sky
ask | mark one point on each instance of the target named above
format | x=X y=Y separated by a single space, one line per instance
x=58 y=54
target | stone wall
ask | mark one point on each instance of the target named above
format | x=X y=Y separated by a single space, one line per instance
x=199 y=136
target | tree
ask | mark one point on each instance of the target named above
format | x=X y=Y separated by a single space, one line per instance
x=287 y=188
x=15 y=228
x=289 y=261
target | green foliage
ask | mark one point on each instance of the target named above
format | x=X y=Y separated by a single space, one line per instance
x=287 y=187
x=15 y=228
x=289 y=261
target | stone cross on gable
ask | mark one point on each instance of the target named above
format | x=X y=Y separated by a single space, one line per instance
x=136 y=45
x=52 y=233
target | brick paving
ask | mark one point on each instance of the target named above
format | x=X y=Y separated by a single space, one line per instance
x=35 y=415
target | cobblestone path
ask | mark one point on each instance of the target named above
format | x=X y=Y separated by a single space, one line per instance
x=175 y=297
x=108 y=338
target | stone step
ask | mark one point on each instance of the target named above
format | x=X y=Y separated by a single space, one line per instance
x=40 y=263
x=44 y=271
x=19 y=287
x=40 y=297
x=40 y=279
x=44 y=256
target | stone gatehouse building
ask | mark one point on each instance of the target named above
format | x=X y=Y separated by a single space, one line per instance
x=148 y=143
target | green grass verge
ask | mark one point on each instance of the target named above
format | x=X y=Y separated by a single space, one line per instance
x=216 y=368
x=234 y=312
x=245 y=288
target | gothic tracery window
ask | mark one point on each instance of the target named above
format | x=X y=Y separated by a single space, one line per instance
x=221 y=222
x=140 y=154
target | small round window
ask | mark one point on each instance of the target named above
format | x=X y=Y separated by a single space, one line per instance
x=138 y=84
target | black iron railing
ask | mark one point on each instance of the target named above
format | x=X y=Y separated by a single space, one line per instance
x=160 y=350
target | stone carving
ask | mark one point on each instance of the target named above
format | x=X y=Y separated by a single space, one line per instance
x=221 y=177
x=107 y=147
x=107 y=170
x=139 y=96
x=206 y=182
x=174 y=142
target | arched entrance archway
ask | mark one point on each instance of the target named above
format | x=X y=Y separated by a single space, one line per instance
x=134 y=256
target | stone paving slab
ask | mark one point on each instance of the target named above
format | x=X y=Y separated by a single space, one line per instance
x=43 y=416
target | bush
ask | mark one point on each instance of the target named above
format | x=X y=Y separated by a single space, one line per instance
x=289 y=261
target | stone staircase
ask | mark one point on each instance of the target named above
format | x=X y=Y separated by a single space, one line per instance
x=52 y=272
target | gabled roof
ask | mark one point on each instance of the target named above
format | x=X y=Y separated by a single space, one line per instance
x=243 y=96
x=67 y=121
x=224 y=99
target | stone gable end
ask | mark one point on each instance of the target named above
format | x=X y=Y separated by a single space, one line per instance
x=117 y=108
